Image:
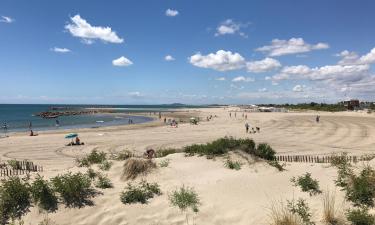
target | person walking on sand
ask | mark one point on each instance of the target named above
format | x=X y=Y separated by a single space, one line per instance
x=230 y=115
x=247 y=127
x=317 y=118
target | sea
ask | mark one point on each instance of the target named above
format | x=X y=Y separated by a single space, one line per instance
x=19 y=117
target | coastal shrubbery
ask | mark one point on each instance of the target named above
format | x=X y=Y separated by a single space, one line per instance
x=15 y=199
x=122 y=155
x=307 y=184
x=105 y=165
x=134 y=167
x=233 y=165
x=185 y=198
x=224 y=145
x=139 y=193
x=360 y=217
x=74 y=189
x=95 y=157
x=43 y=194
x=164 y=152
x=103 y=182
x=164 y=163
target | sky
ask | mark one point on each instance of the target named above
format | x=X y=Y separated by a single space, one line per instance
x=186 y=51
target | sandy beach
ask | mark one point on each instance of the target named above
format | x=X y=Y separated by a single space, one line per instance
x=227 y=196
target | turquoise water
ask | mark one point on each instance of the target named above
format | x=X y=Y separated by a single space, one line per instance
x=18 y=117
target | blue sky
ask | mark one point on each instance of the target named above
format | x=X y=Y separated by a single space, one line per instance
x=195 y=52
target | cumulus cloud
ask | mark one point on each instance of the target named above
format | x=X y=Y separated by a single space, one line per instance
x=352 y=58
x=221 y=60
x=220 y=79
x=122 y=61
x=243 y=79
x=6 y=19
x=171 y=12
x=267 y=64
x=169 y=58
x=298 y=88
x=262 y=90
x=229 y=26
x=79 y=27
x=60 y=50
x=291 y=46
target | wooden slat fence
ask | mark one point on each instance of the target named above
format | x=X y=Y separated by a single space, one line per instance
x=19 y=168
x=320 y=159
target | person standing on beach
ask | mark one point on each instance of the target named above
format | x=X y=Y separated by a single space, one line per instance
x=317 y=118
x=247 y=127
x=230 y=115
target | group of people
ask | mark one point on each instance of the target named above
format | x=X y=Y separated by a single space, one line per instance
x=235 y=115
x=77 y=141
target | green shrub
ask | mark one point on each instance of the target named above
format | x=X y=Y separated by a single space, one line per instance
x=361 y=189
x=139 y=193
x=95 y=157
x=74 y=189
x=233 y=165
x=103 y=182
x=344 y=169
x=360 y=217
x=91 y=173
x=43 y=194
x=185 y=198
x=14 y=164
x=301 y=208
x=164 y=163
x=123 y=155
x=265 y=151
x=105 y=165
x=164 y=152
x=15 y=198
x=307 y=184
x=277 y=165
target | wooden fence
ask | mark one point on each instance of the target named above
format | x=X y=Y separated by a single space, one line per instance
x=320 y=159
x=19 y=168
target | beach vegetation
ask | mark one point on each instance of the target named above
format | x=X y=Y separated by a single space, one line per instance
x=280 y=214
x=91 y=173
x=122 y=155
x=302 y=209
x=331 y=215
x=139 y=193
x=103 y=182
x=307 y=184
x=233 y=165
x=277 y=165
x=134 y=167
x=43 y=194
x=164 y=163
x=265 y=151
x=105 y=165
x=95 y=157
x=164 y=152
x=15 y=198
x=185 y=198
x=13 y=164
x=360 y=216
x=47 y=221
x=360 y=189
x=74 y=189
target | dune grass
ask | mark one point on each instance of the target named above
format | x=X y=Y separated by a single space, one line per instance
x=281 y=215
x=185 y=198
x=134 y=167
x=95 y=157
x=307 y=184
x=139 y=193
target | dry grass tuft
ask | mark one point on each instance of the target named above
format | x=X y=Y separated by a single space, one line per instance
x=281 y=215
x=331 y=215
x=134 y=167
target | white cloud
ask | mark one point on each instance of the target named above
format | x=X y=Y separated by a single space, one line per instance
x=221 y=60
x=262 y=90
x=169 y=58
x=60 y=50
x=243 y=79
x=122 y=61
x=291 y=46
x=171 y=12
x=369 y=58
x=347 y=57
x=6 y=19
x=238 y=87
x=264 y=65
x=229 y=26
x=135 y=94
x=220 y=79
x=298 y=88
x=79 y=27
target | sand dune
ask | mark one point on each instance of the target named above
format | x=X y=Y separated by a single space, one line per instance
x=227 y=196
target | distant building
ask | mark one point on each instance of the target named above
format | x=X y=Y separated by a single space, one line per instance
x=352 y=104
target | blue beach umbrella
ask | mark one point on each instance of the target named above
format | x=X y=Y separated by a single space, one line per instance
x=71 y=135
